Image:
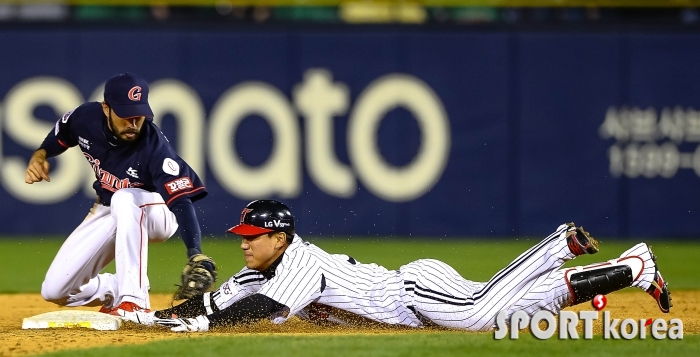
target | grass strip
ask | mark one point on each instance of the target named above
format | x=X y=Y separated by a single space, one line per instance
x=443 y=344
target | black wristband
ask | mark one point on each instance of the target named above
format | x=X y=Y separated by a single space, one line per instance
x=249 y=309
x=189 y=308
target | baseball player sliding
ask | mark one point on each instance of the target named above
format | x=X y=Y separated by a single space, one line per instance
x=285 y=276
x=144 y=193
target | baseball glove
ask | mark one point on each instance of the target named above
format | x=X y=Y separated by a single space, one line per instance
x=197 y=276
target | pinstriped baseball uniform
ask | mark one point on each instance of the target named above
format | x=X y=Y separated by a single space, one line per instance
x=443 y=296
x=291 y=277
x=308 y=274
x=550 y=292
x=423 y=292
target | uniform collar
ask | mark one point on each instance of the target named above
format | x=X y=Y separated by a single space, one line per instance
x=269 y=273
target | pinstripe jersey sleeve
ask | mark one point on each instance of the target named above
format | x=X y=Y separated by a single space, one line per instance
x=246 y=282
x=298 y=281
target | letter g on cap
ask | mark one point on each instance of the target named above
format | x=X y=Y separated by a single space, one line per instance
x=135 y=93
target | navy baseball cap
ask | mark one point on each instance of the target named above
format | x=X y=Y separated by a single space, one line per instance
x=127 y=95
x=264 y=216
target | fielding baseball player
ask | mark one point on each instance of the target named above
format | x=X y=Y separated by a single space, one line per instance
x=286 y=276
x=144 y=193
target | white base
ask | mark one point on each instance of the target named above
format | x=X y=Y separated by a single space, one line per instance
x=73 y=318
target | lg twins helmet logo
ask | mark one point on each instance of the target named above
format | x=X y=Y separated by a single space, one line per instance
x=245 y=211
x=135 y=94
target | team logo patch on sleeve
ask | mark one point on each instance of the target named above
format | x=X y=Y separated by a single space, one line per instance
x=178 y=185
x=171 y=167
x=63 y=120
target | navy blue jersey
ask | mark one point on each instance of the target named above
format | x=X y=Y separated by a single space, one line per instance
x=149 y=163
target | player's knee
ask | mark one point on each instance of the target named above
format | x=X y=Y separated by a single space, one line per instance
x=54 y=293
x=123 y=198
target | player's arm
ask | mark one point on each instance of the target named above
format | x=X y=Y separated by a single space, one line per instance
x=298 y=283
x=56 y=142
x=200 y=271
x=239 y=301
x=249 y=309
x=189 y=229
x=179 y=186
x=202 y=312
x=239 y=286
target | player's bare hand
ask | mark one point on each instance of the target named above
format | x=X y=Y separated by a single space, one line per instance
x=38 y=168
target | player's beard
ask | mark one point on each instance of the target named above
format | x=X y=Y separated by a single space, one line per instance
x=119 y=135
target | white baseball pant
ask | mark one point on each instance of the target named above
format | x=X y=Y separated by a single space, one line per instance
x=120 y=232
x=532 y=282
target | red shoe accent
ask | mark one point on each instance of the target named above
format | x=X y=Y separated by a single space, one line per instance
x=125 y=306
x=574 y=247
x=659 y=291
x=105 y=310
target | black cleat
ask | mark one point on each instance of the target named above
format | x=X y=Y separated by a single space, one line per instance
x=659 y=289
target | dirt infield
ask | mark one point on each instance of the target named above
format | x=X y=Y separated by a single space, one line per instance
x=18 y=342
